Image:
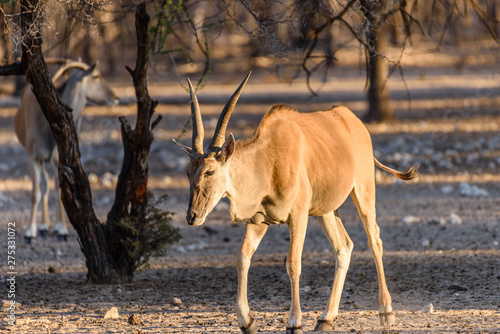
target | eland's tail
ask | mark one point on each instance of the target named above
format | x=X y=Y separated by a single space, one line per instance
x=410 y=174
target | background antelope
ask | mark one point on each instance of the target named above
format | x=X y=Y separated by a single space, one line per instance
x=296 y=165
x=83 y=84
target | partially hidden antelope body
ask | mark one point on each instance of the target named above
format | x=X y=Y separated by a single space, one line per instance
x=84 y=83
x=296 y=165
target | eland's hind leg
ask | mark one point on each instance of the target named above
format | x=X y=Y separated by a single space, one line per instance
x=36 y=196
x=342 y=248
x=363 y=196
x=60 y=228
x=44 y=186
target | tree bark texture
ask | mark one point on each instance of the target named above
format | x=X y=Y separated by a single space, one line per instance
x=379 y=98
x=380 y=108
x=76 y=194
x=131 y=190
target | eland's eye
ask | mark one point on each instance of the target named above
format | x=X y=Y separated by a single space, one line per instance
x=209 y=172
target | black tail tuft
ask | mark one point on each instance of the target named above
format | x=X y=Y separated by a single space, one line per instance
x=410 y=174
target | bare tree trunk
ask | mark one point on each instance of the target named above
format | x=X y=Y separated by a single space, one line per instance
x=493 y=11
x=131 y=197
x=111 y=36
x=379 y=99
x=380 y=108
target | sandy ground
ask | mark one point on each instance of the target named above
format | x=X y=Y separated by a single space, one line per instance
x=441 y=233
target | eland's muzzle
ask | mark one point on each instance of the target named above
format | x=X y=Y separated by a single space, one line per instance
x=191 y=218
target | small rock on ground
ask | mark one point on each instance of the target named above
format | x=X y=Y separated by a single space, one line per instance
x=176 y=301
x=429 y=308
x=112 y=313
x=133 y=319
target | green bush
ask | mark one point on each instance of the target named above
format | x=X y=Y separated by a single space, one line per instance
x=134 y=240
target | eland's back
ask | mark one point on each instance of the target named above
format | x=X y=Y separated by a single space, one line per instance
x=326 y=149
x=32 y=129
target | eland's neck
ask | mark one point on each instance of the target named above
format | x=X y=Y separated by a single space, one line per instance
x=74 y=96
x=249 y=180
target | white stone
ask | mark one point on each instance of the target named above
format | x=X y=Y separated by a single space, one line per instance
x=112 y=313
x=93 y=179
x=455 y=219
x=199 y=246
x=181 y=249
x=425 y=242
x=324 y=290
x=109 y=180
x=472 y=190
x=305 y=289
x=176 y=301
x=447 y=189
x=429 y=308
x=411 y=219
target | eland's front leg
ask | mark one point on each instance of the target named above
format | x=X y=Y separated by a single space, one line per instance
x=297 y=227
x=251 y=240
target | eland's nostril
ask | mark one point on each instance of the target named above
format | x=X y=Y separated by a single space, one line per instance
x=191 y=219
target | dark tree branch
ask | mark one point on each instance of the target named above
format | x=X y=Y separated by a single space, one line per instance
x=131 y=191
x=484 y=18
x=314 y=41
x=446 y=26
x=156 y=121
x=11 y=69
x=132 y=182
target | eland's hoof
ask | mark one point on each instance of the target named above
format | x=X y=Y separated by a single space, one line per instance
x=294 y=330
x=251 y=329
x=324 y=326
x=27 y=240
x=43 y=233
x=62 y=237
x=387 y=319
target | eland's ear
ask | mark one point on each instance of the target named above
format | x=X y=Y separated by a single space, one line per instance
x=89 y=70
x=227 y=149
x=184 y=148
